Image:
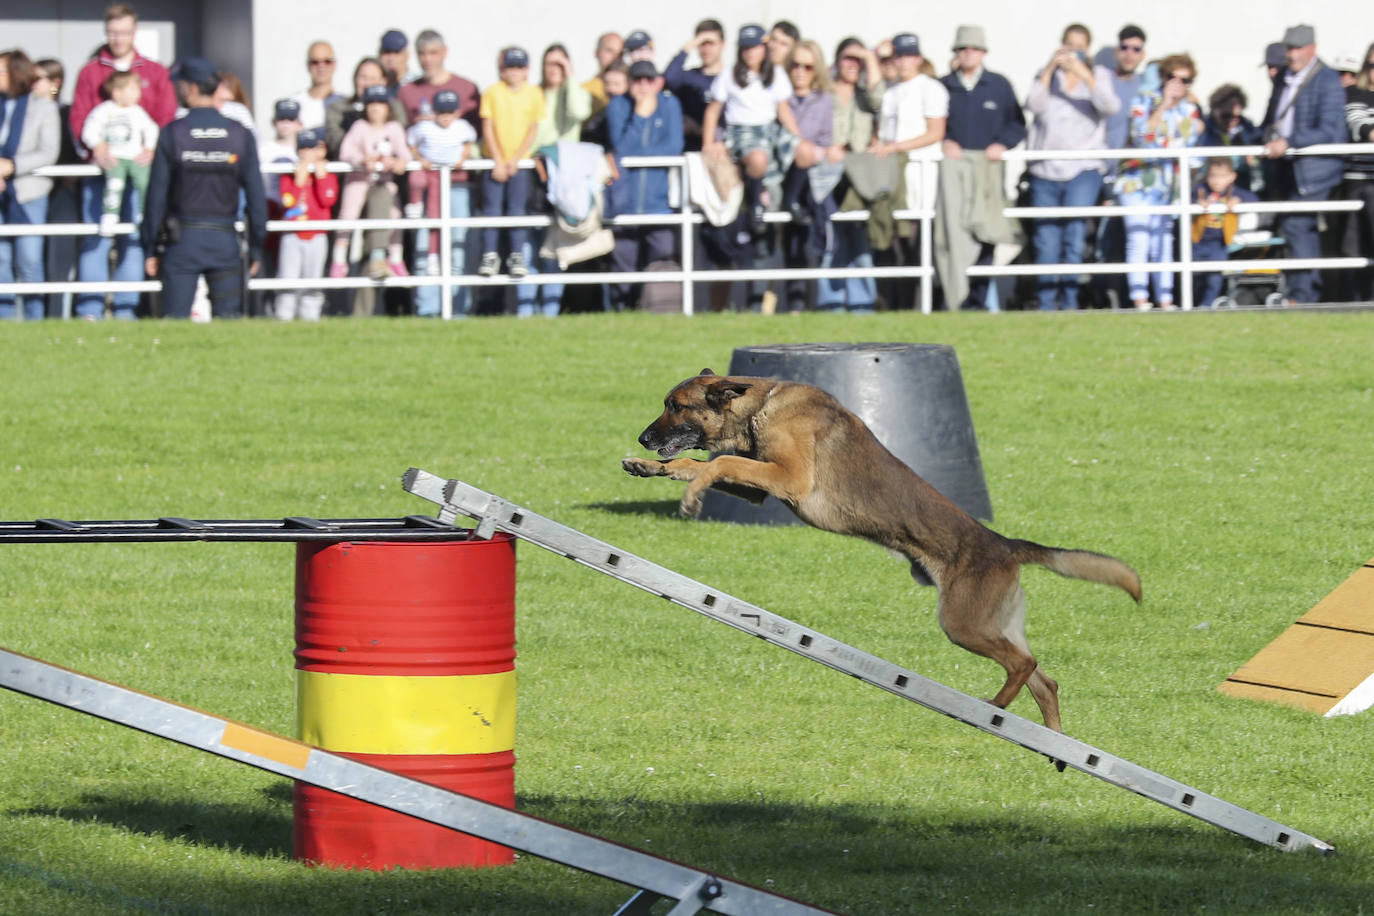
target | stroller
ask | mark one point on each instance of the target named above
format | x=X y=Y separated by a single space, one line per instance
x=1254 y=285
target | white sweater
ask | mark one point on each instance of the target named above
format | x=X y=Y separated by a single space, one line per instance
x=126 y=131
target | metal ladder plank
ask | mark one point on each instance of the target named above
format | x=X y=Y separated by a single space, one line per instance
x=693 y=888
x=493 y=513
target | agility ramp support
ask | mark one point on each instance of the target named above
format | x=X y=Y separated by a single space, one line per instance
x=658 y=879
x=495 y=514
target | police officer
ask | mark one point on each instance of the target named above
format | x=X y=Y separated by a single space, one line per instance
x=203 y=161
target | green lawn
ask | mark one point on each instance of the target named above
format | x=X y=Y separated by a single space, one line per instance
x=1226 y=457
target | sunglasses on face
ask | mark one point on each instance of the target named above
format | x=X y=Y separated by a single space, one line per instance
x=321 y=61
x=797 y=65
x=1134 y=49
x=1185 y=80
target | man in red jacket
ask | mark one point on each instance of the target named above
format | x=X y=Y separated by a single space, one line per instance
x=159 y=100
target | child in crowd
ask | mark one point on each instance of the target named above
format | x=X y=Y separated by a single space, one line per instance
x=376 y=148
x=751 y=101
x=120 y=127
x=308 y=193
x=445 y=140
x=1213 y=232
x=286 y=125
x=616 y=82
x=511 y=111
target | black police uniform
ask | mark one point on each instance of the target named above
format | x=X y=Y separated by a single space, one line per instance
x=203 y=160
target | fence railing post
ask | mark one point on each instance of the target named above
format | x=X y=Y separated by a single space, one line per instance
x=688 y=229
x=927 y=243
x=445 y=242
x=1183 y=183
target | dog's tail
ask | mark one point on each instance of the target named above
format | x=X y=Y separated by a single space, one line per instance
x=1081 y=564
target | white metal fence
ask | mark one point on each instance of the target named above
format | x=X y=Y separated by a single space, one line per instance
x=685 y=219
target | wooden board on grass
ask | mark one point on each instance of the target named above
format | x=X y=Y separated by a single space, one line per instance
x=1324 y=662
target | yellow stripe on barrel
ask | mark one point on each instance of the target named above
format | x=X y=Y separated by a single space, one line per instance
x=382 y=714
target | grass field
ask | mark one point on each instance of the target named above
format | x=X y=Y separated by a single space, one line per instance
x=1227 y=457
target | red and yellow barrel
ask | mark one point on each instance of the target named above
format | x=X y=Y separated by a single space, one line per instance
x=405 y=660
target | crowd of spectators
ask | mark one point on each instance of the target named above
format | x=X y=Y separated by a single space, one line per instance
x=778 y=125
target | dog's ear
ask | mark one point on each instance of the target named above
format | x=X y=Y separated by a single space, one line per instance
x=720 y=393
x=705 y=372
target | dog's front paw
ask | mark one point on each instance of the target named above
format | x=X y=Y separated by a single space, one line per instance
x=641 y=467
x=690 y=507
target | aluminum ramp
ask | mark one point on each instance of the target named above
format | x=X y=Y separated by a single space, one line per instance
x=658 y=879
x=495 y=514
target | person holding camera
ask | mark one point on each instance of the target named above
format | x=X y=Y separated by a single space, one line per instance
x=1163 y=118
x=1071 y=101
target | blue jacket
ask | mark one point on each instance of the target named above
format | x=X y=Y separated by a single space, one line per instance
x=1318 y=117
x=987 y=114
x=660 y=134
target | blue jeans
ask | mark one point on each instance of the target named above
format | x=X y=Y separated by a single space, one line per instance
x=1060 y=241
x=537 y=299
x=21 y=257
x=856 y=294
x=93 y=263
x=506 y=198
x=427 y=297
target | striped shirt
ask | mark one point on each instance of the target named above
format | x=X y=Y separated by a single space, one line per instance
x=440 y=145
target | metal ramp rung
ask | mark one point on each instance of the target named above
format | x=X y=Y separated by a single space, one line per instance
x=658 y=878
x=493 y=513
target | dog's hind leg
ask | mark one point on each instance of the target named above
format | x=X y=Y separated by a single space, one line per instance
x=989 y=620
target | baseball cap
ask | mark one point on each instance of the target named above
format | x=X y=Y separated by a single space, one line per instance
x=286 y=110
x=515 y=57
x=393 y=40
x=445 y=100
x=751 y=36
x=195 y=70
x=905 y=45
x=643 y=70
x=309 y=138
x=1346 y=63
x=637 y=39
x=376 y=94
x=1299 y=36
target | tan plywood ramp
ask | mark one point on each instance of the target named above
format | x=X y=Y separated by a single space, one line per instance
x=1325 y=661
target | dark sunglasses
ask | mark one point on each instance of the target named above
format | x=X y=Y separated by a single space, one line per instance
x=320 y=61
x=1136 y=48
x=1185 y=80
x=800 y=66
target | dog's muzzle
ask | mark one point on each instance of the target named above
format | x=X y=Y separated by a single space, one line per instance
x=671 y=442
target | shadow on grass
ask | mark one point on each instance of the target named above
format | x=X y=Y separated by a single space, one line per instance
x=851 y=858
x=656 y=508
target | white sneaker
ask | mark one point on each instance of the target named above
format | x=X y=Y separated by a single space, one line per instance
x=432 y=266
x=491 y=263
x=108 y=222
x=516 y=266
x=414 y=211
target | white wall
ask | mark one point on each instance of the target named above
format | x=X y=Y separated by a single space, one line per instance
x=1226 y=39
